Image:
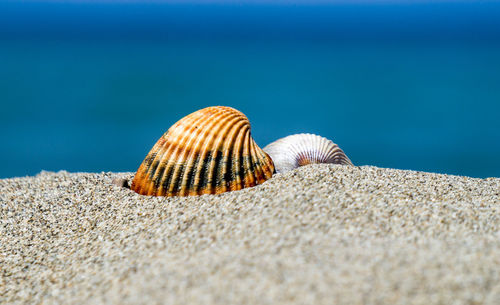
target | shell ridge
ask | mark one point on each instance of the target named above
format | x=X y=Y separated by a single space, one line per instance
x=224 y=180
x=206 y=143
x=177 y=157
x=259 y=170
x=300 y=149
x=237 y=173
x=184 y=162
x=226 y=137
x=216 y=152
x=168 y=148
x=148 y=168
x=154 y=173
x=169 y=168
x=211 y=149
x=268 y=164
x=193 y=159
x=247 y=180
x=254 y=171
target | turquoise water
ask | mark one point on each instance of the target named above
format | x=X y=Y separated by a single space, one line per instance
x=100 y=105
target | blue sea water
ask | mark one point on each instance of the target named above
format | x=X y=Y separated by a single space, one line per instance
x=401 y=91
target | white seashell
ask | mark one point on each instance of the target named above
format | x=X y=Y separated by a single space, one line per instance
x=300 y=149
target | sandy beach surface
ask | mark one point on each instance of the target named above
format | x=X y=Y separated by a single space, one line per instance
x=321 y=234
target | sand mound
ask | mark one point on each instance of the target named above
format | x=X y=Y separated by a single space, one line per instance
x=322 y=234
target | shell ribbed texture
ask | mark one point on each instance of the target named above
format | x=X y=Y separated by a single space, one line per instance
x=300 y=149
x=210 y=151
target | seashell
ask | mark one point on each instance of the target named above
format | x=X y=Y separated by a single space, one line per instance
x=120 y=182
x=300 y=149
x=209 y=151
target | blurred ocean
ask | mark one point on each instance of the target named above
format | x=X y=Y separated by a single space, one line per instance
x=91 y=87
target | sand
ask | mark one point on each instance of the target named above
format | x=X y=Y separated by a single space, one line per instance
x=322 y=234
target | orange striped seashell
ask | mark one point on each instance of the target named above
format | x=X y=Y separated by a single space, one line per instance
x=209 y=151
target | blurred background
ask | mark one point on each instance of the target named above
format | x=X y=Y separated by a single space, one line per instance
x=90 y=86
